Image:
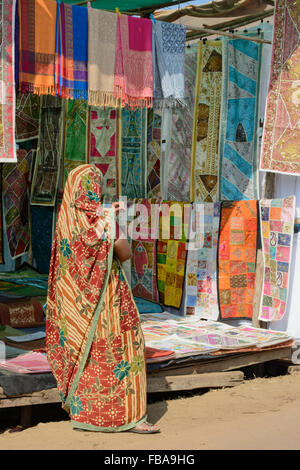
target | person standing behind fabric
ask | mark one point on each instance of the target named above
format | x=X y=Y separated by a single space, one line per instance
x=95 y=344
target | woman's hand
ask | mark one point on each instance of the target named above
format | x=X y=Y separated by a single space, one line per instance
x=119 y=206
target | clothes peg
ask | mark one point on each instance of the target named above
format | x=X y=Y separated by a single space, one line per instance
x=204 y=40
x=152 y=18
x=118 y=11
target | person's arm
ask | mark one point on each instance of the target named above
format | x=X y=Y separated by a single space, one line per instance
x=121 y=246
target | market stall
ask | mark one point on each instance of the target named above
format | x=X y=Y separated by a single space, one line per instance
x=189 y=131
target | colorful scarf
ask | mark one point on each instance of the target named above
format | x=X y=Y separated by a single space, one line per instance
x=104 y=146
x=280 y=149
x=143 y=247
x=71 y=68
x=171 y=252
x=239 y=120
x=176 y=171
x=15 y=185
x=75 y=140
x=133 y=82
x=237 y=258
x=277 y=229
x=133 y=156
x=201 y=265
x=205 y=149
x=47 y=162
x=154 y=144
x=37 y=46
x=95 y=344
x=102 y=27
x=7 y=119
x=168 y=45
x=27 y=117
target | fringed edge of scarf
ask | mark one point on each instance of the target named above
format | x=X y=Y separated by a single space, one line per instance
x=133 y=102
x=103 y=98
x=163 y=103
x=71 y=93
x=26 y=88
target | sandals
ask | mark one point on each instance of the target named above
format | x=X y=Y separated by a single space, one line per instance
x=150 y=430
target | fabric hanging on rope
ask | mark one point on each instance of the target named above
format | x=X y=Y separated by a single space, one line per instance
x=41 y=236
x=75 y=139
x=27 y=117
x=280 y=149
x=277 y=229
x=47 y=162
x=133 y=74
x=237 y=258
x=201 y=266
x=143 y=247
x=168 y=46
x=104 y=146
x=7 y=99
x=37 y=28
x=1 y=222
x=15 y=186
x=154 y=144
x=205 y=151
x=134 y=155
x=172 y=252
x=178 y=136
x=71 y=52
x=239 y=120
x=102 y=30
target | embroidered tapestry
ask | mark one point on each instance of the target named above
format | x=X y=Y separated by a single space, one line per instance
x=42 y=236
x=47 y=162
x=280 y=150
x=205 y=149
x=15 y=185
x=201 y=271
x=133 y=157
x=27 y=117
x=104 y=146
x=237 y=258
x=178 y=129
x=7 y=96
x=143 y=247
x=154 y=123
x=277 y=228
x=239 y=120
x=75 y=138
x=172 y=251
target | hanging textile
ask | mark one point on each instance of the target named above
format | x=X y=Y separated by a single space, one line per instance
x=47 y=161
x=133 y=82
x=27 y=117
x=178 y=136
x=37 y=27
x=15 y=187
x=201 y=265
x=104 y=146
x=133 y=157
x=172 y=251
x=143 y=247
x=71 y=49
x=168 y=45
x=95 y=344
x=75 y=138
x=239 y=120
x=1 y=223
x=280 y=152
x=102 y=30
x=41 y=236
x=237 y=258
x=277 y=228
x=7 y=98
x=154 y=124
x=205 y=149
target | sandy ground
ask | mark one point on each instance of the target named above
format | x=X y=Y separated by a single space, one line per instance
x=263 y=413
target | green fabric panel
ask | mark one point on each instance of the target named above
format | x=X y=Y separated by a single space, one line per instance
x=123 y=5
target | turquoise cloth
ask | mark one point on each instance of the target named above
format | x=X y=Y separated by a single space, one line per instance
x=146 y=306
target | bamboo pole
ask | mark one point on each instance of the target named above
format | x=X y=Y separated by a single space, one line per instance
x=229 y=35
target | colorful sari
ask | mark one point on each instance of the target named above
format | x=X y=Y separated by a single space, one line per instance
x=95 y=343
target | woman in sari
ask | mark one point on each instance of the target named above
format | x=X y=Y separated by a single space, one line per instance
x=95 y=343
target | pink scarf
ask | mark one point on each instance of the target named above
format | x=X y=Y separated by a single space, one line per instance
x=133 y=83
